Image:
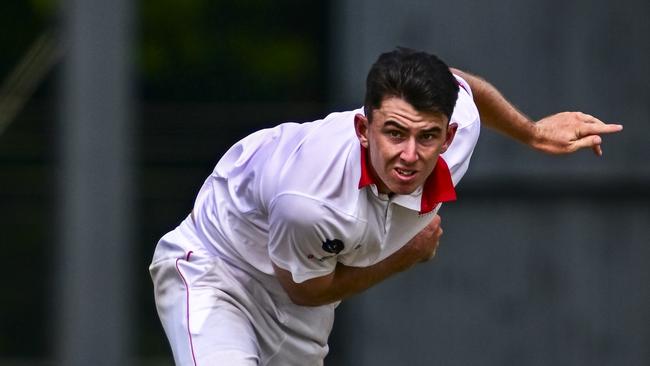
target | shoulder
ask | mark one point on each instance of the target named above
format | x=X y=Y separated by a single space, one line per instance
x=466 y=113
x=324 y=165
x=463 y=84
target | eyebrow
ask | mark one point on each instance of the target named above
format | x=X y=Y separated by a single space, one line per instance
x=399 y=126
x=434 y=129
x=391 y=123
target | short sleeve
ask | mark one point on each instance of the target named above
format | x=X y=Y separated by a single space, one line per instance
x=466 y=116
x=303 y=236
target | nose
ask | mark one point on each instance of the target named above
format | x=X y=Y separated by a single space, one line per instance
x=409 y=153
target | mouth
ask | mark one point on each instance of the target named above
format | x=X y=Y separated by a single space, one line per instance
x=405 y=173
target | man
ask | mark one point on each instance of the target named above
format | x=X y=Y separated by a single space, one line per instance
x=298 y=217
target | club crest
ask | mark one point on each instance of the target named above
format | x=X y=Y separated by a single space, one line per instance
x=333 y=246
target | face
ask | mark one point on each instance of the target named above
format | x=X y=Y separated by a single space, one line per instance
x=403 y=144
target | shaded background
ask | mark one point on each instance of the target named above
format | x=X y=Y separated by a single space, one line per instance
x=544 y=259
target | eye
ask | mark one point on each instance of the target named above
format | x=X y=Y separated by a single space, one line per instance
x=428 y=138
x=395 y=134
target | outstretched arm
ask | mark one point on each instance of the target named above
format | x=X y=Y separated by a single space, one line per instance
x=561 y=133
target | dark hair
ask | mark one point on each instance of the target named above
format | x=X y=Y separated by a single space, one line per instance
x=421 y=79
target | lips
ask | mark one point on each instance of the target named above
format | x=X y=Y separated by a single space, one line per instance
x=405 y=174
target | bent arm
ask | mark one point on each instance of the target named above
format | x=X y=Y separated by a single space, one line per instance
x=561 y=133
x=340 y=284
x=346 y=281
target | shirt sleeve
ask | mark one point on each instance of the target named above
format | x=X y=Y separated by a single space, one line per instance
x=466 y=116
x=303 y=238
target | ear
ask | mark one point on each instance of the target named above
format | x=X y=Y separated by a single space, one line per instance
x=361 y=128
x=451 y=133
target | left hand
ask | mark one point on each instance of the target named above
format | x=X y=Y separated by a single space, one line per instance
x=567 y=132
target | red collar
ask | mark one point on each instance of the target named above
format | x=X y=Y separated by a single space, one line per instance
x=437 y=188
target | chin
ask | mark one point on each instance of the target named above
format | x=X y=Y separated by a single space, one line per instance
x=403 y=189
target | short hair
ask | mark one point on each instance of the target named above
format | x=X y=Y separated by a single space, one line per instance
x=419 y=78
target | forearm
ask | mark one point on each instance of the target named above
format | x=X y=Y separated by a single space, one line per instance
x=350 y=281
x=498 y=113
x=345 y=281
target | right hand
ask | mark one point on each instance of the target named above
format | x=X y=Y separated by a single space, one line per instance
x=424 y=244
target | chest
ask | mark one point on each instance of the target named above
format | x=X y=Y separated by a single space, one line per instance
x=381 y=228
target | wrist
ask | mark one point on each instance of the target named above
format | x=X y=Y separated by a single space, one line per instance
x=531 y=133
x=519 y=127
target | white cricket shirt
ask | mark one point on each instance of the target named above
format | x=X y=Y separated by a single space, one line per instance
x=300 y=195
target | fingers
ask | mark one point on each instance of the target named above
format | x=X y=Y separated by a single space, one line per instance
x=593 y=126
x=433 y=253
x=587 y=134
x=592 y=142
x=597 y=128
x=429 y=239
x=590 y=125
x=597 y=150
x=435 y=222
x=436 y=239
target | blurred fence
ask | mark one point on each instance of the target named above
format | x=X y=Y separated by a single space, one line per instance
x=544 y=259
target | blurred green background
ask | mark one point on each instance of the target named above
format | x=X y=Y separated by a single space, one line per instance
x=206 y=72
x=199 y=50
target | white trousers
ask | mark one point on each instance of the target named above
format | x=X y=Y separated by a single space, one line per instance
x=214 y=313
